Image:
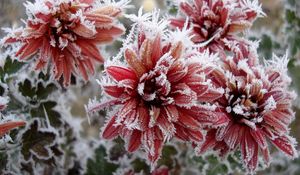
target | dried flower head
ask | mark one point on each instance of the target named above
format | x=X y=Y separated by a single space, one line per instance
x=66 y=33
x=216 y=23
x=159 y=92
x=258 y=104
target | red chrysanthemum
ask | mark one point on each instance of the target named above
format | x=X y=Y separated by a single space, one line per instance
x=258 y=104
x=66 y=33
x=159 y=94
x=217 y=23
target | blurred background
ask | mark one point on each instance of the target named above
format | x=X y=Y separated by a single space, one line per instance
x=278 y=31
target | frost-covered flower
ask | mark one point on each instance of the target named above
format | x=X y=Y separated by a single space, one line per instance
x=66 y=33
x=216 y=23
x=159 y=92
x=6 y=125
x=258 y=104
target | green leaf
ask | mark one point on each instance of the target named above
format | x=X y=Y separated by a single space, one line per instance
x=37 y=142
x=267 y=46
x=118 y=150
x=140 y=165
x=10 y=67
x=3 y=161
x=53 y=116
x=36 y=92
x=99 y=165
x=167 y=157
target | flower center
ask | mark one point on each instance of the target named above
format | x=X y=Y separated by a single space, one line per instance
x=243 y=108
x=60 y=26
x=154 y=89
x=209 y=24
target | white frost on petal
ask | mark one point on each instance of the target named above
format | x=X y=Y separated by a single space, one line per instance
x=270 y=104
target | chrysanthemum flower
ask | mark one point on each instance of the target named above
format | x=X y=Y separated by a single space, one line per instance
x=65 y=34
x=258 y=104
x=216 y=24
x=159 y=92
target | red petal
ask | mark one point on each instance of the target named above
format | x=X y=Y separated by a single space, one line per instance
x=252 y=164
x=188 y=121
x=99 y=19
x=211 y=95
x=114 y=30
x=259 y=138
x=145 y=53
x=83 y=70
x=177 y=23
x=114 y=90
x=134 y=141
x=89 y=49
x=29 y=48
x=285 y=144
x=157 y=151
x=209 y=142
x=6 y=127
x=172 y=113
x=110 y=130
x=196 y=136
x=181 y=133
x=134 y=62
x=83 y=31
x=232 y=135
x=184 y=95
x=177 y=72
x=176 y=50
x=247 y=147
x=186 y=8
x=156 y=54
x=144 y=117
x=121 y=73
x=108 y=10
x=128 y=107
x=276 y=124
x=266 y=156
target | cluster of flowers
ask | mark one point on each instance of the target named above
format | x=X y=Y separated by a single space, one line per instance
x=191 y=77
